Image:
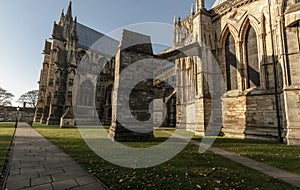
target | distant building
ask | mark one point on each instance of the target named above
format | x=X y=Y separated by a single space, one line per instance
x=11 y=114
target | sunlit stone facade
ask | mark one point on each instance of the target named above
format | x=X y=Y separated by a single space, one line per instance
x=252 y=40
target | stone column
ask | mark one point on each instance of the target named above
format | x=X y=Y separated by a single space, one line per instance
x=200 y=100
x=240 y=66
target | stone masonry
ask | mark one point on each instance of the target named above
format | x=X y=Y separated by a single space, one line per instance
x=256 y=46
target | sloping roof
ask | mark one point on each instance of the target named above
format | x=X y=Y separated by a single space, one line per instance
x=292 y=15
x=136 y=42
x=293 y=8
x=88 y=37
x=218 y=2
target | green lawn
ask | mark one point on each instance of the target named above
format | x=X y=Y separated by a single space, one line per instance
x=187 y=170
x=6 y=133
x=271 y=153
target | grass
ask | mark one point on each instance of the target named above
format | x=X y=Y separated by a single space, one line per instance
x=6 y=134
x=187 y=170
x=271 y=153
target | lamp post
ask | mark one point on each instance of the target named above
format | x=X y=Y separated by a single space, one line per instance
x=17 y=118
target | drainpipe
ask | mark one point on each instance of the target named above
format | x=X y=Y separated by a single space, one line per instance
x=280 y=139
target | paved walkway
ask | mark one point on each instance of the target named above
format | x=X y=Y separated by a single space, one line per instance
x=280 y=174
x=38 y=164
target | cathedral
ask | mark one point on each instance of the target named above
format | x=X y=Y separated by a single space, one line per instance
x=71 y=65
x=255 y=43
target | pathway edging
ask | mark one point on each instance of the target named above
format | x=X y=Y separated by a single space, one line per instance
x=274 y=172
x=38 y=164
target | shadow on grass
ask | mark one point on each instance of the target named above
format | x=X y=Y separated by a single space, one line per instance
x=187 y=170
x=270 y=152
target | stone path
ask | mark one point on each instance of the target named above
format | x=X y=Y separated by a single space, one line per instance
x=280 y=174
x=38 y=164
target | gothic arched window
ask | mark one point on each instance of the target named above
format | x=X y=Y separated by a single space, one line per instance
x=84 y=62
x=86 y=93
x=231 y=66
x=253 y=72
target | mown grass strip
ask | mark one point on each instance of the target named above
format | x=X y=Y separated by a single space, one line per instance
x=272 y=153
x=187 y=170
x=6 y=134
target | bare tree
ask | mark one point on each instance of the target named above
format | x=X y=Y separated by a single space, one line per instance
x=29 y=98
x=5 y=97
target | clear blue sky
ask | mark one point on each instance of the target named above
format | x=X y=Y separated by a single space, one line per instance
x=25 y=24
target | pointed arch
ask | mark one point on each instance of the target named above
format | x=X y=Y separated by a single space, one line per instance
x=84 y=60
x=251 y=57
x=231 y=62
x=227 y=43
x=249 y=20
x=59 y=74
x=72 y=72
x=86 y=93
x=249 y=34
x=226 y=30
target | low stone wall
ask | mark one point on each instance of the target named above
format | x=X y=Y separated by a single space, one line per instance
x=234 y=115
x=250 y=115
